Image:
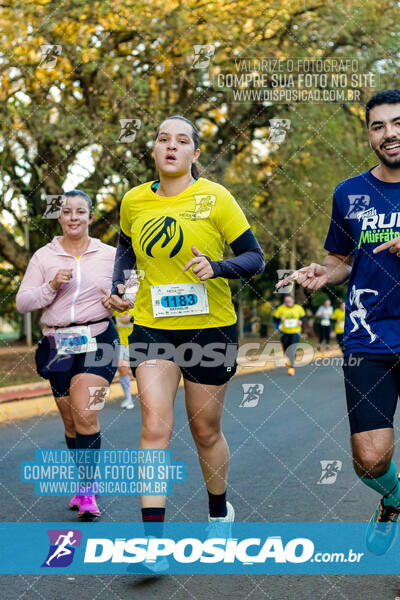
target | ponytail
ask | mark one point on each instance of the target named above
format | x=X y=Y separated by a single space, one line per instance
x=195 y=171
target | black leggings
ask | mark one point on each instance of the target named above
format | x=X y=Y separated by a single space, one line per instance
x=339 y=337
x=324 y=333
x=289 y=343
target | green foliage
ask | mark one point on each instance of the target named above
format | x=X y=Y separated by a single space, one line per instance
x=133 y=59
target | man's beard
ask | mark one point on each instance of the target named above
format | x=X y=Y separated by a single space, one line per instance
x=391 y=164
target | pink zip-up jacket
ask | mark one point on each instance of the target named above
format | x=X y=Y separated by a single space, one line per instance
x=77 y=301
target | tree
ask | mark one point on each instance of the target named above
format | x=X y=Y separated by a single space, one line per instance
x=70 y=72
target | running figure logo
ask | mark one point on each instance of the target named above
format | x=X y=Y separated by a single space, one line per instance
x=358 y=203
x=54 y=203
x=58 y=362
x=129 y=128
x=97 y=397
x=278 y=129
x=251 y=394
x=330 y=470
x=202 y=56
x=132 y=278
x=62 y=547
x=285 y=289
x=361 y=312
x=49 y=54
x=202 y=208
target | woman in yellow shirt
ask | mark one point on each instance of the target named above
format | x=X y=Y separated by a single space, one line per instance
x=174 y=230
x=288 y=318
x=339 y=316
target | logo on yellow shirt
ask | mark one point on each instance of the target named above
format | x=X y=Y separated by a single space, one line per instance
x=164 y=229
x=203 y=204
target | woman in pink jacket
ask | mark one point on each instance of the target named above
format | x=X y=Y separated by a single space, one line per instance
x=77 y=352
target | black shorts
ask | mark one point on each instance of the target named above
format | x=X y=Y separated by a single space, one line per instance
x=372 y=383
x=206 y=356
x=59 y=369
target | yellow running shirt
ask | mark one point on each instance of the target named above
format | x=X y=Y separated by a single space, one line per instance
x=338 y=317
x=124 y=329
x=163 y=230
x=290 y=317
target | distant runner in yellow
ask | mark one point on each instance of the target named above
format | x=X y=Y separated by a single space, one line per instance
x=288 y=318
x=124 y=325
x=338 y=317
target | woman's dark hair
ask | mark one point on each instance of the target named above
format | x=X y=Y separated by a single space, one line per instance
x=386 y=97
x=76 y=193
x=196 y=140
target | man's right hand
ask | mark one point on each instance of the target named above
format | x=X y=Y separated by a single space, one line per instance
x=312 y=277
x=62 y=276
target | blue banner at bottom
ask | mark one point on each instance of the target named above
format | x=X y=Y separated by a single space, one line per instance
x=198 y=548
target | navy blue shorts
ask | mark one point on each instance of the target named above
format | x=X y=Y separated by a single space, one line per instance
x=372 y=383
x=206 y=356
x=60 y=369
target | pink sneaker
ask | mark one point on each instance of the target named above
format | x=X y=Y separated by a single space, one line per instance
x=75 y=502
x=88 y=507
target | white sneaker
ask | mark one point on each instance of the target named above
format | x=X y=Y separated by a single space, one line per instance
x=128 y=403
x=157 y=567
x=221 y=526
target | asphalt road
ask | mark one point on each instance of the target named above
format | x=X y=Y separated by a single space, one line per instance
x=276 y=449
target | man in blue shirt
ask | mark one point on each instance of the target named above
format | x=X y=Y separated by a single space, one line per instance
x=363 y=245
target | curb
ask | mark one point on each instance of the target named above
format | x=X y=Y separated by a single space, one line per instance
x=45 y=404
x=26 y=390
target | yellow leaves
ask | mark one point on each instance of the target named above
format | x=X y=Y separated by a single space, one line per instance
x=280 y=55
x=357 y=110
x=19 y=51
x=108 y=235
x=266 y=308
x=88 y=54
x=9 y=227
x=219 y=114
x=248 y=26
x=5 y=87
x=257 y=200
x=208 y=128
x=71 y=33
x=153 y=85
x=112 y=21
x=41 y=77
x=58 y=28
x=108 y=203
